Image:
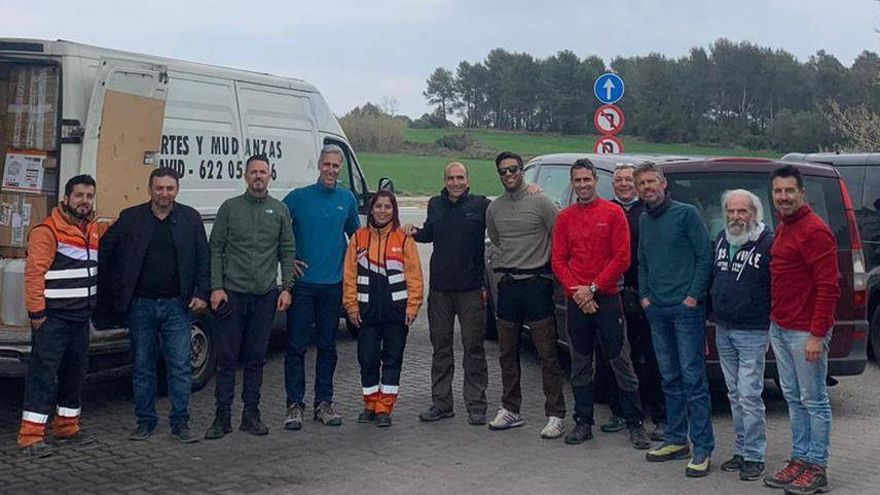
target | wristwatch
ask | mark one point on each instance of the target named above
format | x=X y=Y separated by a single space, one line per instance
x=594 y=288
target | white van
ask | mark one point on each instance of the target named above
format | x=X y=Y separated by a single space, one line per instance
x=119 y=115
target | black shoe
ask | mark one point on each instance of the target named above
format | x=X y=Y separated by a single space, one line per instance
x=434 y=413
x=367 y=416
x=638 y=438
x=37 y=450
x=383 y=420
x=659 y=433
x=751 y=471
x=251 y=423
x=613 y=425
x=735 y=463
x=579 y=434
x=476 y=418
x=142 y=432
x=221 y=426
x=183 y=434
x=81 y=437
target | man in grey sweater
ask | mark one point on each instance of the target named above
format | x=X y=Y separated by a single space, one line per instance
x=520 y=227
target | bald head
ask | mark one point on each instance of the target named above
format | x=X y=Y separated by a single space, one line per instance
x=455 y=176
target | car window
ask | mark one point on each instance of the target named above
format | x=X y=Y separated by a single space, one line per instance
x=868 y=216
x=854 y=178
x=704 y=191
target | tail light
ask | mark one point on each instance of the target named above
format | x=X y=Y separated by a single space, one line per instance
x=860 y=277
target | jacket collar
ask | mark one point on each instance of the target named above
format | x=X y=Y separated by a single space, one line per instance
x=656 y=211
x=794 y=217
x=319 y=185
x=253 y=199
x=444 y=193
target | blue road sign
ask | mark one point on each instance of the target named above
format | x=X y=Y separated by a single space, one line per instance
x=608 y=88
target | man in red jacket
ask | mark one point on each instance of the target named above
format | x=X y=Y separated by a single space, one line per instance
x=804 y=292
x=590 y=253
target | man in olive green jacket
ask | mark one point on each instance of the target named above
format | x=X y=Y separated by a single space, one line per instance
x=251 y=236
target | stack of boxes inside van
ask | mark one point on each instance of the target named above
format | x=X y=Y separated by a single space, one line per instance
x=28 y=153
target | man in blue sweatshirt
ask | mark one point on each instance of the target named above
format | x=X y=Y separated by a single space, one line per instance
x=675 y=264
x=322 y=215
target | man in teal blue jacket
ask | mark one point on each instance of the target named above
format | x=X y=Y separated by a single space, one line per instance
x=323 y=214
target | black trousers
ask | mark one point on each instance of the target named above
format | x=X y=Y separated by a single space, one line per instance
x=57 y=367
x=380 y=354
x=243 y=334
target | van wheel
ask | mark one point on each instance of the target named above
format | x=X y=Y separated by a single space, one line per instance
x=491 y=327
x=204 y=355
x=874 y=336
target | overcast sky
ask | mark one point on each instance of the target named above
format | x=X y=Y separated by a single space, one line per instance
x=362 y=50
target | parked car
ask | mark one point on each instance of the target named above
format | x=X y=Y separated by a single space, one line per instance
x=701 y=182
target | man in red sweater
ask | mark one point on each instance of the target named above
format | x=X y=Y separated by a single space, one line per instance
x=804 y=292
x=590 y=253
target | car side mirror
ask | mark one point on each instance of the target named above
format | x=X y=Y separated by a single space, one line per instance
x=386 y=184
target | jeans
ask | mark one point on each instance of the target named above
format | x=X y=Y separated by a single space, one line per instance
x=804 y=389
x=165 y=324
x=679 y=336
x=318 y=304
x=742 y=353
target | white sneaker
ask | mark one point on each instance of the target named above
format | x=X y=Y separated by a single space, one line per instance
x=505 y=420
x=554 y=428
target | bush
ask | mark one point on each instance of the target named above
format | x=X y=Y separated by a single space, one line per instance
x=375 y=133
x=456 y=142
x=434 y=120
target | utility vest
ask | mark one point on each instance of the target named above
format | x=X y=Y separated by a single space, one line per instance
x=72 y=279
x=380 y=274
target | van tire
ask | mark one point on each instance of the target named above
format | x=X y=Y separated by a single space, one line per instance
x=874 y=336
x=204 y=354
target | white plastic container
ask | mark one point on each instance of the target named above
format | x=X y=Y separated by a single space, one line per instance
x=12 y=307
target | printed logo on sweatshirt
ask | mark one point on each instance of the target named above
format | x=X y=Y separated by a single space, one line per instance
x=270 y=211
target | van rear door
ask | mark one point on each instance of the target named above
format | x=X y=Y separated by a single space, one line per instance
x=124 y=132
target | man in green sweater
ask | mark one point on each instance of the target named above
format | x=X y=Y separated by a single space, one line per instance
x=251 y=236
x=675 y=264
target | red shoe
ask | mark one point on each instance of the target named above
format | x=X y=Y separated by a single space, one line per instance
x=786 y=475
x=813 y=480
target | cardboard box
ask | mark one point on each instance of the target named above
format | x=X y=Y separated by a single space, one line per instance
x=18 y=214
x=23 y=171
x=32 y=108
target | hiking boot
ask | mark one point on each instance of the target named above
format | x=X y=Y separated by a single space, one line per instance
x=659 y=432
x=638 y=438
x=367 y=416
x=294 y=420
x=251 y=422
x=476 y=418
x=813 y=479
x=142 y=432
x=506 y=420
x=326 y=414
x=668 y=452
x=553 y=429
x=221 y=426
x=793 y=468
x=183 y=434
x=580 y=434
x=434 y=413
x=82 y=437
x=751 y=471
x=613 y=425
x=698 y=466
x=38 y=450
x=733 y=464
x=383 y=420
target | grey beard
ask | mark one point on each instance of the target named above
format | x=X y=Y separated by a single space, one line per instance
x=751 y=233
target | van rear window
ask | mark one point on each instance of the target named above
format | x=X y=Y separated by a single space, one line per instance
x=704 y=191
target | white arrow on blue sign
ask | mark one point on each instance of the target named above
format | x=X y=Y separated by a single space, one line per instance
x=608 y=88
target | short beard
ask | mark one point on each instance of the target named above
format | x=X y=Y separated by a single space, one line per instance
x=74 y=213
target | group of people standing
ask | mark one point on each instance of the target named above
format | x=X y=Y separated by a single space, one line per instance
x=637 y=272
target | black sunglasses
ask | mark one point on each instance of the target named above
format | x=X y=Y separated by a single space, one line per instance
x=502 y=171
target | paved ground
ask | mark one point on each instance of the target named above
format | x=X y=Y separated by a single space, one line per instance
x=411 y=457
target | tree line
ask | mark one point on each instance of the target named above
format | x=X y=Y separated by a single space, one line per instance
x=729 y=94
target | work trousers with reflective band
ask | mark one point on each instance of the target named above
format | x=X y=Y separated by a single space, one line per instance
x=56 y=373
x=380 y=354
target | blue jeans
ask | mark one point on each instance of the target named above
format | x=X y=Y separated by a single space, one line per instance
x=742 y=353
x=804 y=389
x=165 y=324
x=319 y=305
x=679 y=336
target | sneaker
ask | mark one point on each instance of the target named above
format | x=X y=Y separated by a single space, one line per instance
x=751 y=471
x=613 y=425
x=813 y=479
x=733 y=464
x=142 y=432
x=221 y=426
x=434 y=413
x=668 y=452
x=638 y=438
x=580 y=434
x=326 y=414
x=698 y=466
x=659 y=432
x=251 y=423
x=294 y=420
x=38 y=450
x=506 y=420
x=793 y=468
x=82 y=437
x=476 y=418
x=367 y=416
x=383 y=420
x=553 y=429
x=183 y=434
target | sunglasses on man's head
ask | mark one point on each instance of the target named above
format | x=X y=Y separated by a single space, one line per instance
x=502 y=171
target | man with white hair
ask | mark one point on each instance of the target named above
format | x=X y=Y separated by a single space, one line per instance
x=741 y=301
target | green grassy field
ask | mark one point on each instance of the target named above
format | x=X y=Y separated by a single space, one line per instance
x=422 y=175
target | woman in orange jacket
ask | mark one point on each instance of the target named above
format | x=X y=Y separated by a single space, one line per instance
x=382 y=294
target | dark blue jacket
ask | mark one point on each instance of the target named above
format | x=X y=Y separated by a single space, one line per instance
x=741 y=286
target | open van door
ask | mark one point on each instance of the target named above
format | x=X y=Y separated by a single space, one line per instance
x=124 y=132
